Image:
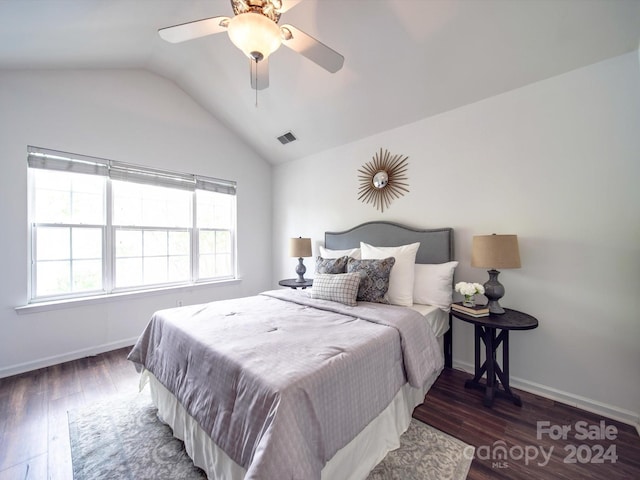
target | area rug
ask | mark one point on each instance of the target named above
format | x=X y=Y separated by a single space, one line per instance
x=123 y=439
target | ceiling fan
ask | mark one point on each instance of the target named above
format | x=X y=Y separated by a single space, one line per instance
x=254 y=30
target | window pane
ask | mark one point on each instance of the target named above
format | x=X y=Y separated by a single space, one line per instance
x=52 y=206
x=128 y=272
x=162 y=257
x=128 y=243
x=212 y=266
x=87 y=243
x=223 y=242
x=128 y=246
x=155 y=270
x=53 y=243
x=223 y=265
x=207 y=242
x=127 y=204
x=214 y=210
x=155 y=243
x=53 y=278
x=179 y=268
x=179 y=243
x=215 y=254
x=150 y=206
x=87 y=275
x=63 y=197
x=87 y=208
x=52 y=196
x=52 y=180
x=179 y=209
x=68 y=260
x=207 y=266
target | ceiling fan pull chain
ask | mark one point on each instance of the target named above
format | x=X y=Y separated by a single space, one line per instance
x=256 y=77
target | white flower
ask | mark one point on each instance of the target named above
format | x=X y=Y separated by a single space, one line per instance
x=469 y=289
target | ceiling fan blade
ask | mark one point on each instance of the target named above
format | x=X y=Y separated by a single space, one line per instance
x=259 y=74
x=311 y=48
x=195 y=29
x=288 y=5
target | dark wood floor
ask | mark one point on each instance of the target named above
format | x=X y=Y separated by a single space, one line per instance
x=34 y=436
x=459 y=412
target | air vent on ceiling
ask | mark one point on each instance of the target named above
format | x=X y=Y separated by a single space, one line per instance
x=287 y=138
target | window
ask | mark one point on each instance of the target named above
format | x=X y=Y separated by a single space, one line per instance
x=99 y=227
x=67 y=233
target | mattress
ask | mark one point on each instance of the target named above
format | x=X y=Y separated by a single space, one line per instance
x=437 y=318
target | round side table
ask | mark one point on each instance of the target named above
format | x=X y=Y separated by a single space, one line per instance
x=294 y=283
x=486 y=330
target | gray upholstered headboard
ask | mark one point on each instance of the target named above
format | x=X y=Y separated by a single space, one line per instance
x=436 y=245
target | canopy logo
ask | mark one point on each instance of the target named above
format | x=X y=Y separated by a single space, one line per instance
x=500 y=454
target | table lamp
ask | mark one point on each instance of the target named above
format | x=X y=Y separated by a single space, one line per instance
x=300 y=247
x=493 y=252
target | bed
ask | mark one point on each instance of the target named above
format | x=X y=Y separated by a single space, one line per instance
x=287 y=384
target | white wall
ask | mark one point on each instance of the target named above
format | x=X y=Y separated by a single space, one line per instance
x=127 y=115
x=557 y=164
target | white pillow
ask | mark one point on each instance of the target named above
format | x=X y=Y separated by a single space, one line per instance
x=327 y=253
x=402 y=274
x=433 y=284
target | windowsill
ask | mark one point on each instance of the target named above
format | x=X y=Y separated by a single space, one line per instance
x=113 y=297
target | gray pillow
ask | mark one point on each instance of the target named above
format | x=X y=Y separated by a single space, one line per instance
x=374 y=278
x=331 y=265
x=340 y=287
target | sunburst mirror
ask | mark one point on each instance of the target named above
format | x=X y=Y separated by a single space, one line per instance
x=382 y=179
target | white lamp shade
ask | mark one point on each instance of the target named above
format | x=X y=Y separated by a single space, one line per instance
x=300 y=247
x=253 y=32
x=495 y=251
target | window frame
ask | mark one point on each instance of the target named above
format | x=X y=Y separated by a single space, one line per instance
x=39 y=158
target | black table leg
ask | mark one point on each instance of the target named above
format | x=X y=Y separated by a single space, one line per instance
x=482 y=334
x=496 y=376
x=478 y=369
x=503 y=374
x=490 y=356
x=448 y=344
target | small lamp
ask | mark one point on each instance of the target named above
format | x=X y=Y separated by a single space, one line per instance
x=495 y=251
x=300 y=247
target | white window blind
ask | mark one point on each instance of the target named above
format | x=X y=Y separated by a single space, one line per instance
x=71 y=162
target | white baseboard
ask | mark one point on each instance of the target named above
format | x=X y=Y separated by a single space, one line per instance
x=66 y=357
x=593 y=406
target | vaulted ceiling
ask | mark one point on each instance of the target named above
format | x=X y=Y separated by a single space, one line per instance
x=404 y=59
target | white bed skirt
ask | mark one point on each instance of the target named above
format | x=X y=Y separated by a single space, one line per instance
x=353 y=462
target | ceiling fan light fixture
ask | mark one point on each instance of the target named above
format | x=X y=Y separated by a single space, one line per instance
x=256 y=35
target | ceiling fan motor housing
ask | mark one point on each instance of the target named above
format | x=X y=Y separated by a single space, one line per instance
x=268 y=8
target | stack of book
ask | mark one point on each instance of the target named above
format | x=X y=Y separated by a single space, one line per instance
x=475 y=311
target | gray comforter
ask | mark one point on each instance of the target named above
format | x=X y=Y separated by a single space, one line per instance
x=281 y=381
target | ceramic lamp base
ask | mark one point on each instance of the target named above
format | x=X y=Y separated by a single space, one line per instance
x=300 y=270
x=494 y=291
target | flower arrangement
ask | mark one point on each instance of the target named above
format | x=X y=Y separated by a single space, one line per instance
x=469 y=290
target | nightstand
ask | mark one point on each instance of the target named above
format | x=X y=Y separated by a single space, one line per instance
x=294 y=283
x=486 y=329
